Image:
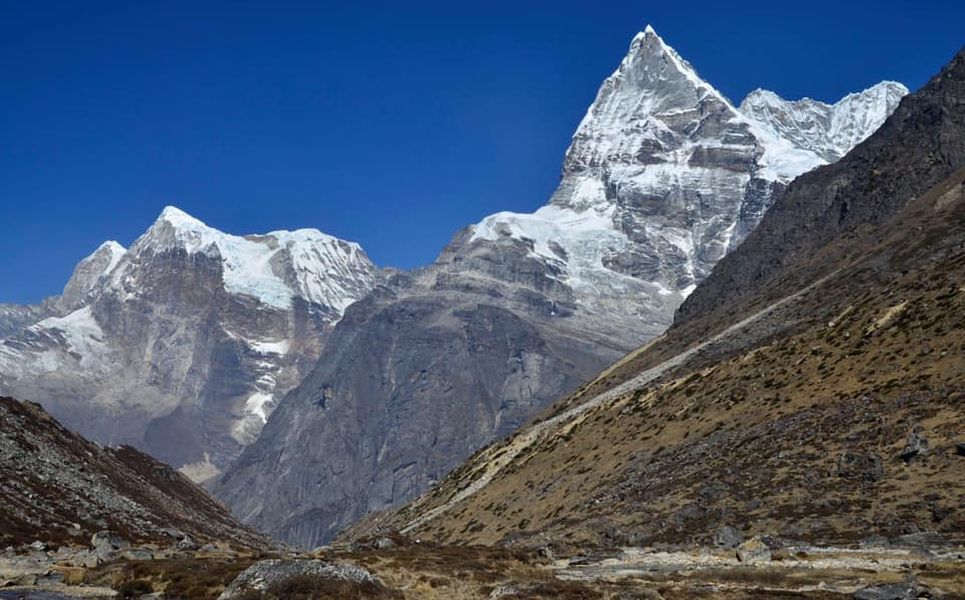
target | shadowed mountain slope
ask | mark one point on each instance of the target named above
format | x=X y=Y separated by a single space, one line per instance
x=57 y=487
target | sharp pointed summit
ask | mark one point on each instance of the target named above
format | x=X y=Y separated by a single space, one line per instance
x=173 y=214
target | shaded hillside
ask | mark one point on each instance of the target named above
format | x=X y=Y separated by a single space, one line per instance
x=57 y=487
x=822 y=400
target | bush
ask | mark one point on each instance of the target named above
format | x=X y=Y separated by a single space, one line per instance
x=312 y=587
x=134 y=588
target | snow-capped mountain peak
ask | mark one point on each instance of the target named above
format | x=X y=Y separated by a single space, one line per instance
x=176 y=216
x=649 y=41
x=828 y=130
x=89 y=272
x=189 y=316
x=638 y=109
x=275 y=267
x=664 y=175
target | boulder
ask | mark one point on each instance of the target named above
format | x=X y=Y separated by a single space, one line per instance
x=137 y=554
x=728 y=537
x=861 y=466
x=105 y=545
x=781 y=554
x=753 y=551
x=383 y=543
x=916 y=445
x=186 y=544
x=908 y=590
x=266 y=573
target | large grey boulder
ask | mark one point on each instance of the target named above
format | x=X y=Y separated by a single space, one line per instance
x=266 y=573
x=107 y=546
x=754 y=551
x=727 y=537
x=916 y=446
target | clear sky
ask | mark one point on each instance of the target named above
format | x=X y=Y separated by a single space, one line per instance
x=393 y=124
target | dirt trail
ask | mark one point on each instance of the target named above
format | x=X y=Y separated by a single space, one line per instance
x=516 y=445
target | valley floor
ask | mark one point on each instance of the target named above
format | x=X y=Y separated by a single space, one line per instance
x=407 y=570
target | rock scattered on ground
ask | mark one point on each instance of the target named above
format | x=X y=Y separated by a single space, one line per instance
x=907 y=590
x=754 y=551
x=728 y=537
x=915 y=446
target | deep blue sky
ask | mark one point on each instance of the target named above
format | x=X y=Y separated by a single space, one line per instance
x=392 y=124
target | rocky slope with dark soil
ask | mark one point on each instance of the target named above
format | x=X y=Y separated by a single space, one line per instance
x=58 y=488
x=822 y=403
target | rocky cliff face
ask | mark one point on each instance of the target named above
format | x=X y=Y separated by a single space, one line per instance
x=183 y=344
x=663 y=177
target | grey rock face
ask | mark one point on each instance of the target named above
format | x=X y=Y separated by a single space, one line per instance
x=183 y=344
x=408 y=386
x=662 y=178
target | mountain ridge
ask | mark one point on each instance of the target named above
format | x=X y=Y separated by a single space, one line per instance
x=186 y=321
x=518 y=309
x=814 y=401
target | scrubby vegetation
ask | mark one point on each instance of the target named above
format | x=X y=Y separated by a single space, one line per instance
x=307 y=587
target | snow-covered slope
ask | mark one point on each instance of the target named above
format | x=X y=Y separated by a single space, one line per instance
x=190 y=336
x=828 y=130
